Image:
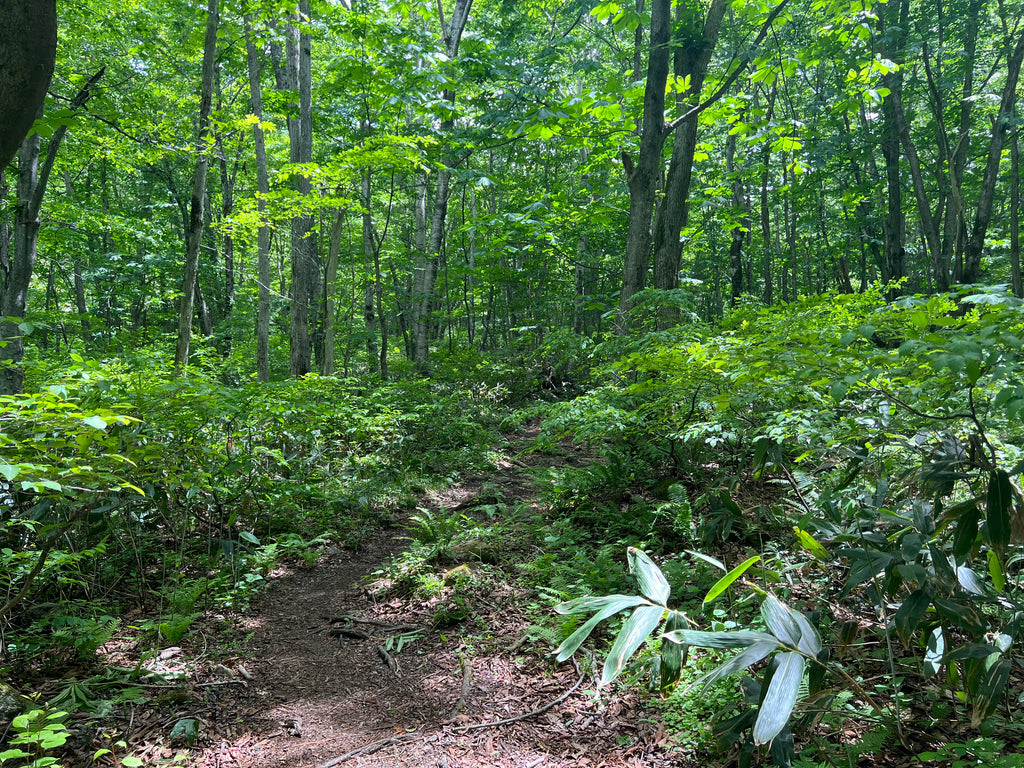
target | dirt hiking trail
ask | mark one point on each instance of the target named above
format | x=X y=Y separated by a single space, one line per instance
x=338 y=671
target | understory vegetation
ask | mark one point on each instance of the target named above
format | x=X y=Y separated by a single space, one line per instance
x=802 y=526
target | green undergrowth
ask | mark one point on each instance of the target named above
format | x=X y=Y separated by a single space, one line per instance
x=857 y=460
x=135 y=507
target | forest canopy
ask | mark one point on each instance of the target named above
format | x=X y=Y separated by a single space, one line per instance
x=273 y=272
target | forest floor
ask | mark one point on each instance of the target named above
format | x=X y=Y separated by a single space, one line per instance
x=339 y=669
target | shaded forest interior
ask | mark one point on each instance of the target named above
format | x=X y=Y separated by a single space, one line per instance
x=276 y=276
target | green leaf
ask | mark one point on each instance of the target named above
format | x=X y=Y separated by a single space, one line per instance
x=780 y=621
x=990 y=689
x=644 y=620
x=672 y=653
x=726 y=581
x=96 y=422
x=909 y=615
x=741 y=660
x=740 y=639
x=964 y=616
x=995 y=570
x=778 y=702
x=575 y=640
x=1000 y=499
x=9 y=471
x=649 y=577
x=811 y=544
x=186 y=728
x=966 y=533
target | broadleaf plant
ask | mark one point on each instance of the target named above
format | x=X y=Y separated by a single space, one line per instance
x=789 y=632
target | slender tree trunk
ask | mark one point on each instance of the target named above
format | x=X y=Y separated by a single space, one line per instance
x=197 y=210
x=954 y=228
x=227 y=191
x=983 y=213
x=426 y=274
x=893 y=252
x=742 y=224
x=1018 y=288
x=330 y=288
x=31 y=187
x=369 y=258
x=469 y=284
x=203 y=310
x=263 y=235
x=765 y=210
x=789 y=222
x=929 y=230
x=303 y=241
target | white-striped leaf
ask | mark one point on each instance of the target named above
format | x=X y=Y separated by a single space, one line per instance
x=780 y=621
x=575 y=640
x=588 y=604
x=741 y=660
x=644 y=620
x=778 y=702
x=740 y=639
x=649 y=577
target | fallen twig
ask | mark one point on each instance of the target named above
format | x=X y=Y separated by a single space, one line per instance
x=373 y=623
x=376 y=746
x=355 y=634
x=467 y=676
x=527 y=715
x=390 y=660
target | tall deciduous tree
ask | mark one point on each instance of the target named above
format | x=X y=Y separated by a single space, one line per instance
x=263 y=189
x=197 y=210
x=28 y=50
x=427 y=263
x=16 y=274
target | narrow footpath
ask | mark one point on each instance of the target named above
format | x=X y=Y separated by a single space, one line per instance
x=339 y=669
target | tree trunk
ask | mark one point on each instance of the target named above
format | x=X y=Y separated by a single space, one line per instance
x=893 y=253
x=330 y=280
x=197 y=210
x=765 y=210
x=928 y=228
x=369 y=258
x=263 y=188
x=983 y=213
x=303 y=242
x=691 y=59
x=741 y=219
x=32 y=183
x=427 y=265
x=954 y=229
x=642 y=179
x=28 y=50
x=1018 y=287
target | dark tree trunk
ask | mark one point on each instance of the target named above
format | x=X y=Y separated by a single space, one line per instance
x=28 y=50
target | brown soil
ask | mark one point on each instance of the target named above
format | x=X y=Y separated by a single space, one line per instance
x=310 y=690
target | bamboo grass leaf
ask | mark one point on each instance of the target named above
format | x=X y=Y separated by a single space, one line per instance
x=575 y=640
x=778 y=702
x=649 y=577
x=644 y=620
x=726 y=581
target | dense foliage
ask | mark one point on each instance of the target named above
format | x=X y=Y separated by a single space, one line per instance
x=269 y=271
